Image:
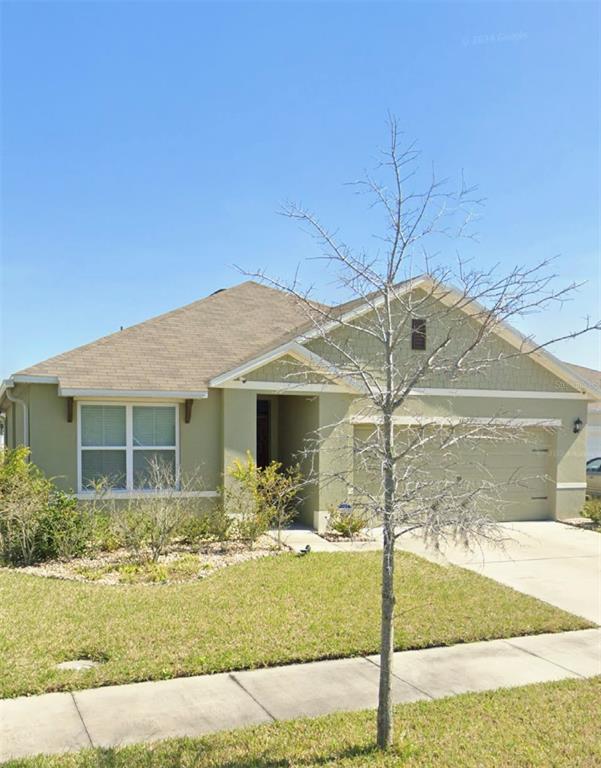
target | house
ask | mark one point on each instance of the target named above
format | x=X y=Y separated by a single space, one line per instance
x=203 y=384
x=593 y=429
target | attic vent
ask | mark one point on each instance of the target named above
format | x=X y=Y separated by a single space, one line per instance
x=219 y=290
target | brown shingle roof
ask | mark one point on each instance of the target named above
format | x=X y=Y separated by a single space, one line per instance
x=184 y=349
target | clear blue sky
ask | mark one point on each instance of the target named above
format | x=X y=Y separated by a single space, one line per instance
x=147 y=146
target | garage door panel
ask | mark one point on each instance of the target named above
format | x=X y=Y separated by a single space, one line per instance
x=520 y=471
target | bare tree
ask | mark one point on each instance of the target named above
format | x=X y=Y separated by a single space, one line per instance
x=454 y=316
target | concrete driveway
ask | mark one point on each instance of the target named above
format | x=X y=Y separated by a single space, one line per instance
x=551 y=561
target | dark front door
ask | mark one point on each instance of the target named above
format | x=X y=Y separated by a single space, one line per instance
x=263 y=429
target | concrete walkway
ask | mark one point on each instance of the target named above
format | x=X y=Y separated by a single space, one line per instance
x=557 y=563
x=193 y=706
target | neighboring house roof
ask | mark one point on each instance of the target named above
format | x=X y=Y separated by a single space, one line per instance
x=591 y=375
x=183 y=352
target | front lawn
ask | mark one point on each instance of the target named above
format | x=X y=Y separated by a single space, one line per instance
x=259 y=613
x=551 y=724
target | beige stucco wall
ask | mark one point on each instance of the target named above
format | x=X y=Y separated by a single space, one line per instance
x=239 y=414
x=201 y=441
x=53 y=439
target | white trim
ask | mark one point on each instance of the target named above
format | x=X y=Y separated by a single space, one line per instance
x=134 y=393
x=452 y=421
x=502 y=393
x=30 y=378
x=140 y=494
x=129 y=446
x=570 y=486
x=290 y=388
x=300 y=353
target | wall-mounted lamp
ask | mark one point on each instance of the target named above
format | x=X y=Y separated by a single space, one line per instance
x=578 y=424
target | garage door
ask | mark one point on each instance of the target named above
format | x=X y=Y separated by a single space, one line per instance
x=520 y=471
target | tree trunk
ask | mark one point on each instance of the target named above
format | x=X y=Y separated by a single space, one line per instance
x=385 y=723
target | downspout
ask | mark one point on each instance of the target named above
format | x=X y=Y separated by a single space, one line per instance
x=23 y=404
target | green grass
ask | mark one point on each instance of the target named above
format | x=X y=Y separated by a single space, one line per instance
x=551 y=724
x=259 y=613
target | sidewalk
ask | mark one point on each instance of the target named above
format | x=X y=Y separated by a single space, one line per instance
x=126 y=714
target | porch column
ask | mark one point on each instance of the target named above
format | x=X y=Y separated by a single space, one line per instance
x=335 y=453
x=239 y=426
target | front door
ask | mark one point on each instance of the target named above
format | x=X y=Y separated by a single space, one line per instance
x=263 y=429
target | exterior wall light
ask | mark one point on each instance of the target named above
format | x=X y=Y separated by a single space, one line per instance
x=578 y=424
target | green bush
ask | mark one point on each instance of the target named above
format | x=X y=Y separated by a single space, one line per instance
x=347 y=522
x=24 y=495
x=213 y=524
x=37 y=521
x=65 y=529
x=105 y=534
x=592 y=510
x=263 y=498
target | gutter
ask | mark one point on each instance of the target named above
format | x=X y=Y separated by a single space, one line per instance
x=5 y=390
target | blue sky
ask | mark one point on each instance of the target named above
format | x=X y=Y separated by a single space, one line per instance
x=147 y=146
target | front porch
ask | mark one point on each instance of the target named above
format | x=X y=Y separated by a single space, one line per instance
x=313 y=430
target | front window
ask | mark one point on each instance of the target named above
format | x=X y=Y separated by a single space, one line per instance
x=125 y=444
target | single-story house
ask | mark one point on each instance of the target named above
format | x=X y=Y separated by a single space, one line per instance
x=202 y=385
x=593 y=428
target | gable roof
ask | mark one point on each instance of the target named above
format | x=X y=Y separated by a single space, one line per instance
x=184 y=352
x=181 y=350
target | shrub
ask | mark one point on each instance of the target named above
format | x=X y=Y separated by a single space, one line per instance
x=24 y=495
x=213 y=524
x=129 y=524
x=347 y=521
x=105 y=536
x=65 y=529
x=37 y=521
x=266 y=497
x=592 y=510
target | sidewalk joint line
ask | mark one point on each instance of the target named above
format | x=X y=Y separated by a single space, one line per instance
x=538 y=656
x=254 y=698
x=83 y=722
x=406 y=682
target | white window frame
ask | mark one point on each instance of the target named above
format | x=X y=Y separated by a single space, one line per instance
x=129 y=446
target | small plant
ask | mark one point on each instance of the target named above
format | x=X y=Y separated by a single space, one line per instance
x=65 y=528
x=268 y=496
x=592 y=510
x=213 y=524
x=347 y=521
